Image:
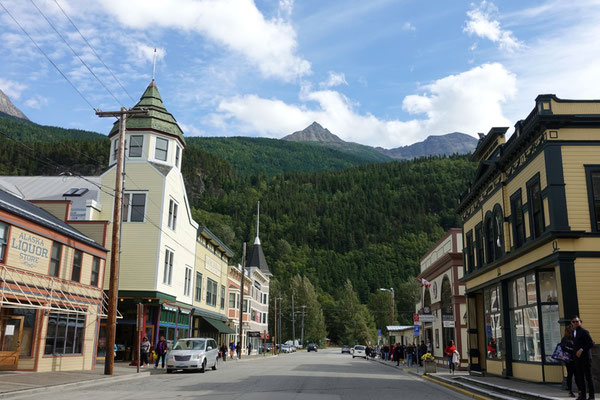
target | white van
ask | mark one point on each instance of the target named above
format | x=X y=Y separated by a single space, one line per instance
x=194 y=354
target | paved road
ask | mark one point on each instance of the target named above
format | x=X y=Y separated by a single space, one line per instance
x=326 y=375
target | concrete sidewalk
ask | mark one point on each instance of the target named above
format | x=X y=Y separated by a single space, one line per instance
x=18 y=383
x=489 y=387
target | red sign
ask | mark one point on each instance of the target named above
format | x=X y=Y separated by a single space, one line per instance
x=262 y=336
x=416 y=317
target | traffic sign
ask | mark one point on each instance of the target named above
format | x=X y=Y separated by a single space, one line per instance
x=416 y=330
x=416 y=317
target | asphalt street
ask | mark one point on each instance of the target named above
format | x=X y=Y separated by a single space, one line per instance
x=325 y=375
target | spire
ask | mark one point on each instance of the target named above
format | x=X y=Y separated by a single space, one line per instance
x=154 y=65
x=257 y=240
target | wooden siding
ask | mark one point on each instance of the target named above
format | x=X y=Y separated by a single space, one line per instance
x=587 y=275
x=553 y=373
x=494 y=367
x=575 y=107
x=577 y=134
x=528 y=372
x=574 y=158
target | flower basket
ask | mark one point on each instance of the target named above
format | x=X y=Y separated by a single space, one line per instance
x=430 y=366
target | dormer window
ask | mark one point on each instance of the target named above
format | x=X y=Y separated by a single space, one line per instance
x=177 y=153
x=162 y=147
x=75 y=192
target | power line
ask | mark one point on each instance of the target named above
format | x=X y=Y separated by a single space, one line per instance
x=76 y=55
x=94 y=51
x=46 y=55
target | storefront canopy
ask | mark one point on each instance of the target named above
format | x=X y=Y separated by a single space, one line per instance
x=26 y=289
x=220 y=326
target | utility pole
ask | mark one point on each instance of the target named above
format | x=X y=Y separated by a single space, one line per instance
x=113 y=284
x=242 y=296
x=302 y=331
x=275 y=338
x=293 y=323
x=279 y=329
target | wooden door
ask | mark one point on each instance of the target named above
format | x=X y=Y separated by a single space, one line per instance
x=11 y=329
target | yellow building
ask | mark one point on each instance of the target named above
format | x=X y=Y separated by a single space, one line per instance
x=210 y=290
x=531 y=224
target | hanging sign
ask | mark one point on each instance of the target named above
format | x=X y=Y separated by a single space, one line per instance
x=416 y=330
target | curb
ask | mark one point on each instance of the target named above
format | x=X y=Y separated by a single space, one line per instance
x=86 y=383
x=456 y=389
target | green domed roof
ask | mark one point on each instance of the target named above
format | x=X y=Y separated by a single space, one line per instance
x=158 y=118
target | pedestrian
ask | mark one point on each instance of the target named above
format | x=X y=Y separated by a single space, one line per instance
x=249 y=348
x=422 y=351
x=144 y=351
x=566 y=345
x=449 y=351
x=161 y=352
x=397 y=354
x=582 y=347
x=410 y=354
x=231 y=349
x=238 y=349
x=223 y=350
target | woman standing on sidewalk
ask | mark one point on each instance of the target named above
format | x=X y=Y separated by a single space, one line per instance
x=449 y=351
x=567 y=345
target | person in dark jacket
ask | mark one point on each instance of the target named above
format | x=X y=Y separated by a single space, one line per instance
x=397 y=354
x=422 y=351
x=161 y=351
x=567 y=346
x=582 y=347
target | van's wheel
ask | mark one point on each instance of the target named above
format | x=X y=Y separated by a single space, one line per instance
x=214 y=367
x=203 y=368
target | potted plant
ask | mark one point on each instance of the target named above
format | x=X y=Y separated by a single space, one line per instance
x=429 y=363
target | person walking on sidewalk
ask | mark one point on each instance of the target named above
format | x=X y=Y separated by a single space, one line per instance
x=567 y=345
x=397 y=354
x=583 y=344
x=144 y=351
x=161 y=352
x=410 y=354
x=422 y=351
x=231 y=349
x=449 y=351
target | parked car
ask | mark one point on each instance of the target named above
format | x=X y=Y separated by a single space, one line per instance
x=346 y=349
x=193 y=354
x=311 y=347
x=359 y=351
x=286 y=348
x=269 y=346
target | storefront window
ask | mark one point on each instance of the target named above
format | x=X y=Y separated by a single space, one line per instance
x=548 y=293
x=550 y=315
x=65 y=334
x=524 y=319
x=28 y=327
x=493 y=323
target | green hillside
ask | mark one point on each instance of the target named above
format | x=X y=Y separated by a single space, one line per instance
x=272 y=156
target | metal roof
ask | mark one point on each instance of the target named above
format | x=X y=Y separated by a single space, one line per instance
x=33 y=213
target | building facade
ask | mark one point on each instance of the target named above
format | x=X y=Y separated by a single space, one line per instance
x=210 y=314
x=531 y=224
x=51 y=285
x=442 y=306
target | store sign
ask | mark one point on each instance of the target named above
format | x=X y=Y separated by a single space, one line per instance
x=29 y=251
x=449 y=324
x=427 y=318
x=254 y=334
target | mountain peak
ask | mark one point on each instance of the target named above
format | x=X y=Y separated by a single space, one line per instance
x=7 y=107
x=313 y=133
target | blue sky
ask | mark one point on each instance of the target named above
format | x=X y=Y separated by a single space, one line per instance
x=379 y=72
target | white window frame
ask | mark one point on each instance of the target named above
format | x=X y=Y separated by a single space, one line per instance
x=3 y=240
x=127 y=208
x=198 y=287
x=141 y=147
x=177 y=156
x=211 y=292
x=115 y=152
x=156 y=149
x=187 y=285
x=168 y=267
x=172 y=219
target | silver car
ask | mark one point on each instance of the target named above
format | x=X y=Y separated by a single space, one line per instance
x=193 y=354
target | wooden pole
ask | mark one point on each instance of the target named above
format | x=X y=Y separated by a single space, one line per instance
x=242 y=298
x=113 y=284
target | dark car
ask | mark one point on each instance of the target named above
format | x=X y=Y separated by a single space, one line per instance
x=311 y=347
x=346 y=349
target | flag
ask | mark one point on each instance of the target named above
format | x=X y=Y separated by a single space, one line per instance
x=424 y=282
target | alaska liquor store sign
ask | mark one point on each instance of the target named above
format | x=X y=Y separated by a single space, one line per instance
x=29 y=251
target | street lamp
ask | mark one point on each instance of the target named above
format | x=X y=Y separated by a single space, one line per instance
x=391 y=290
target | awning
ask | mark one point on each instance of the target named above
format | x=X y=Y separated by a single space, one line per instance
x=26 y=289
x=220 y=326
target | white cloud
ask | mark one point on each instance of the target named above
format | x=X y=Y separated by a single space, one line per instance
x=407 y=26
x=237 y=24
x=469 y=102
x=191 y=130
x=36 y=102
x=481 y=23
x=11 y=88
x=334 y=79
x=285 y=8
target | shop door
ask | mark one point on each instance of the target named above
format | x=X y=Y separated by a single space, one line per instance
x=473 y=336
x=11 y=329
